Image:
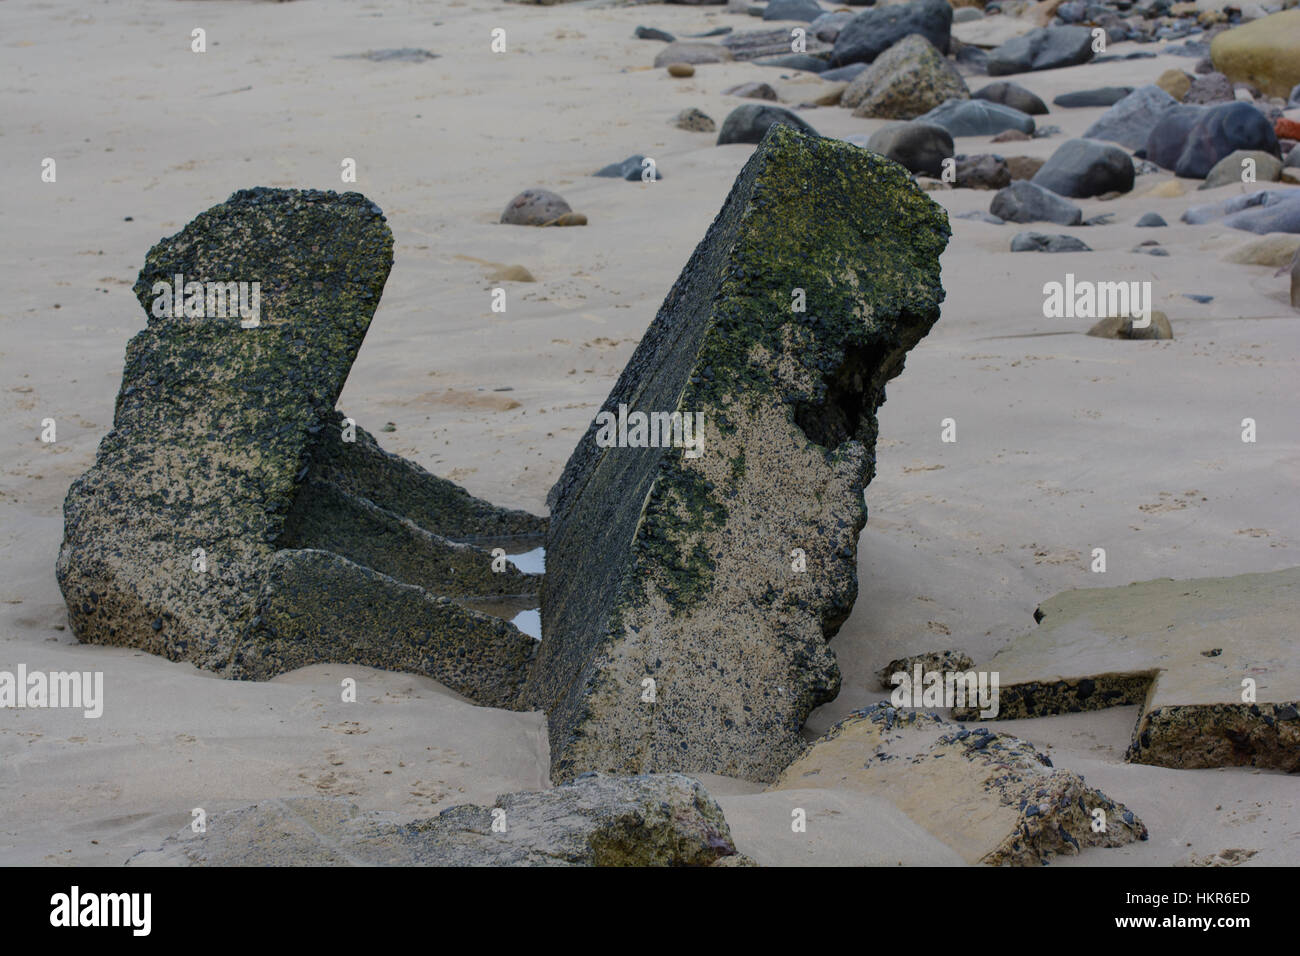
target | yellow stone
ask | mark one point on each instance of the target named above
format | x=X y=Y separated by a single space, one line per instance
x=1175 y=82
x=1264 y=52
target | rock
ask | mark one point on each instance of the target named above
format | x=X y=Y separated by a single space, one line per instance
x=1122 y=327
x=1176 y=83
x=753 y=91
x=980 y=216
x=1038 y=242
x=982 y=171
x=1086 y=167
x=1013 y=95
x=653 y=33
x=749 y=123
x=1150 y=220
x=1023 y=167
x=1262 y=52
x=402 y=55
x=684 y=51
x=874 y=31
x=828 y=26
x=1191 y=139
x=1285 y=127
x=804 y=10
x=919 y=147
x=1262 y=167
x=1129 y=122
x=1011 y=136
x=977 y=118
x=1292 y=157
x=1102 y=96
x=630 y=169
x=1273 y=251
x=1210 y=88
x=757 y=44
x=1145 y=644
x=942 y=662
x=1150 y=248
x=567 y=219
x=228 y=521
x=1045 y=48
x=649 y=820
x=845 y=74
x=1027 y=202
x=1275 y=211
x=992 y=797
x=534 y=207
x=680 y=69
x=794 y=61
x=967 y=14
x=908 y=79
x=656 y=569
x=694 y=121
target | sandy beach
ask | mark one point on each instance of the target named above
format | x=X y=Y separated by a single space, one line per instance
x=1065 y=442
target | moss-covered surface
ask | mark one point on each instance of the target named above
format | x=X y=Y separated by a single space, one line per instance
x=657 y=562
x=225 y=439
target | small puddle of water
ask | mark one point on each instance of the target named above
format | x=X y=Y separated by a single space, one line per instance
x=516 y=610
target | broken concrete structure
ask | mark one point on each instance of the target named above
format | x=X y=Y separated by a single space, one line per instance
x=653 y=820
x=1212 y=664
x=691 y=591
x=991 y=797
x=233 y=518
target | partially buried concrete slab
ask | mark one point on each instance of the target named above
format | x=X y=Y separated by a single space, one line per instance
x=694 y=578
x=233 y=518
x=1213 y=663
x=991 y=798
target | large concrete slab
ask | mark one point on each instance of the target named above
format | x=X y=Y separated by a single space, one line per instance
x=1191 y=653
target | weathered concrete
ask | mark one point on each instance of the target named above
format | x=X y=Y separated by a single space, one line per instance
x=659 y=820
x=679 y=570
x=990 y=797
x=315 y=548
x=1179 y=649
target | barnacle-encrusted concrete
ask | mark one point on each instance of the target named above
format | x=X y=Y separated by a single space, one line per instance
x=652 y=820
x=225 y=439
x=1192 y=654
x=991 y=797
x=680 y=635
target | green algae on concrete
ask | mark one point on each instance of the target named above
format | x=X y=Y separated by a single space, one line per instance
x=1212 y=663
x=678 y=635
x=226 y=481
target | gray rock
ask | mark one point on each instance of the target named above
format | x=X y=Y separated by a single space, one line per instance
x=1102 y=96
x=656 y=570
x=795 y=61
x=1265 y=167
x=649 y=820
x=1024 y=201
x=1129 y=122
x=942 y=662
x=908 y=79
x=685 y=51
x=844 y=74
x=1191 y=139
x=1011 y=94
x=1086 y=167
x=314 y=548
x=977 y=118
x=980 y=216
x=874 y=31
x=1150 y=220
x=749 y=123
x=535 y=207
x=772 y=42
x=967 y=14
x=1292 y=158
x=1210 y=88
x=694 y=121
x=1150 y=248
x=982 y=171
x=1043 y=49
x=828 y=26
x=805 y=10
x=1038 y=242
x=920 y=147
x=753 y=91
x=1263 y=211
x=630 y=169
x=653 y=33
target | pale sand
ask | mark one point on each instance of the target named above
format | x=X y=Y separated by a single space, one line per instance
x=1062 y=439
